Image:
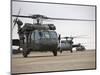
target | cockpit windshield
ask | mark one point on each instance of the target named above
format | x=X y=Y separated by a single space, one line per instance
x=53 y=34
x=47 y=34
x=44 y=34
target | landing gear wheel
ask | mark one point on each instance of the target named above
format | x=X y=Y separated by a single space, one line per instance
x=55 y=52
x=26 y=52
x=71 y=51
x=60 y=51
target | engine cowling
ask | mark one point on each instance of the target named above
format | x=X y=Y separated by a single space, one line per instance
x=29 y=26
x=52 y=27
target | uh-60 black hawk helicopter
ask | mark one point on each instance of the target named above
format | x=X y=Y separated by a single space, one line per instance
x=68 y=44
x=37 y=36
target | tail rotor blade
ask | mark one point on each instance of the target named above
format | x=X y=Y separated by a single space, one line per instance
x=15 y=20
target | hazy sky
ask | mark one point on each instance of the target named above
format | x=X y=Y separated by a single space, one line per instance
x=65 y=28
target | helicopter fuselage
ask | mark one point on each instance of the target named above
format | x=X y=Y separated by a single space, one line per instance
x=41 y=40
x=38 y=37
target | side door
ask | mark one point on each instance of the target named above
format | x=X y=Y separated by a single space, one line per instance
x=32 y=39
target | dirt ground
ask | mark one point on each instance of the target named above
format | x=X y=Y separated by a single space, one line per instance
x=45 y=61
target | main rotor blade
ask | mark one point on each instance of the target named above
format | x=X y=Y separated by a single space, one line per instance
x=32 y=17
x=70 y=19
x=80 y=36
x=22 y=16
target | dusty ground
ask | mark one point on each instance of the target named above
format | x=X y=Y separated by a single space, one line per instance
x=41 y=62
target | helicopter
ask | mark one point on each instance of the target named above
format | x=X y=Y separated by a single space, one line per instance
x=68 y=44
x=79 y=47
x=38 y=36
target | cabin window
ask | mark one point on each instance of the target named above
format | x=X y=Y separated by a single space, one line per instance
x=25 y=38
x=29 y=38
x=32 y=36
x=36 y=34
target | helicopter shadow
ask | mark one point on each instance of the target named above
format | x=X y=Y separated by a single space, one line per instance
x=41 y=56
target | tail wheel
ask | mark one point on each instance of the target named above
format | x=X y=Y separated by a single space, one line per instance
x=55 y=52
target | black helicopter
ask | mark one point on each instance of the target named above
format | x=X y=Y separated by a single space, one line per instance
x=37 y=36
x=67 y=44
x=80 y=47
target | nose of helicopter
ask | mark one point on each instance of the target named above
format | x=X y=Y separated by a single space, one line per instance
x=49 y=43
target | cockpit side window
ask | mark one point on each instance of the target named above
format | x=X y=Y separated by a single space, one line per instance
x=32 y=36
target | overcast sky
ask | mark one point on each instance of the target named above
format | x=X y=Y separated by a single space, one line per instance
x=65 y=28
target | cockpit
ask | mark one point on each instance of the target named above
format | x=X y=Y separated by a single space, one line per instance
x=38 y=35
